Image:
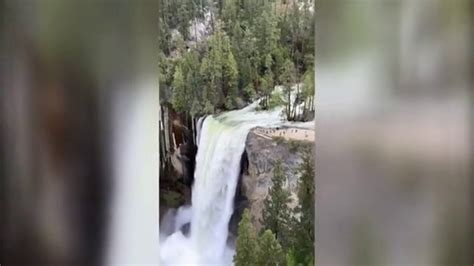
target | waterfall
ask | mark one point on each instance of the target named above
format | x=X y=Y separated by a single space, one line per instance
x=221 y=144
x=198 y=129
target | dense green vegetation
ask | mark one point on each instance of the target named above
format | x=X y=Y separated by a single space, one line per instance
x=276 y=213
x=254 y=250
x=250 y=47
x=285 y=231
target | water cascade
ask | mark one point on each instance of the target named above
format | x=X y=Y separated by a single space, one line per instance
x=221 y=144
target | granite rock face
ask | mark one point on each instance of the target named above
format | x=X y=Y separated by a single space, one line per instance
x=262 y=153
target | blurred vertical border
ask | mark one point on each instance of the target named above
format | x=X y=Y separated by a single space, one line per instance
x=471 y=131
x=78 y=88
x=395 y=132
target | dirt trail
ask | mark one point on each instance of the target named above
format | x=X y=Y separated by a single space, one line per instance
x=287 y=133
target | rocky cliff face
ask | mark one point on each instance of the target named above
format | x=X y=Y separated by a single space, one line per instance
x=264 y=147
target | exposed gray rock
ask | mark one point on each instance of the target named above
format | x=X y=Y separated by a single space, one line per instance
x=183 y=161
x=185 y=229
x=263 y=152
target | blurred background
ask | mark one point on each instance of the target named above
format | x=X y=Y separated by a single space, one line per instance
x=393 y=148
x=79 y=132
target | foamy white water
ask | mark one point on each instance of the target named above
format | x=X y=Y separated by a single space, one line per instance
x=221 y=144
x=198 y=128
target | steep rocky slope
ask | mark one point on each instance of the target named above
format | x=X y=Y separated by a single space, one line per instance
x=264 y=147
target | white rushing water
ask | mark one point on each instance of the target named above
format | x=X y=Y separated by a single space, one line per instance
x=221 y=144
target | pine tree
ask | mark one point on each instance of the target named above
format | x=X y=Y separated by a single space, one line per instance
x=210 y=94
x=267 y=32
x=279 y=56
x=219 y=71
x=183 y=18
x=164 y=35
x=248 y=62
x=165 y=77
x=276 y=213
x=288 y=78
x=229 y=75
x=308 y=30
x=196 y=107
x=267 y=80
x=271 y=253
x=247 y=245
x=191 y=68
x=308 y=89
x=304 y=226
x=230 y=15
x=179 y=97
x=291 y=259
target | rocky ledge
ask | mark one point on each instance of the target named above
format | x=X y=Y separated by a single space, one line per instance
x=263 y=148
